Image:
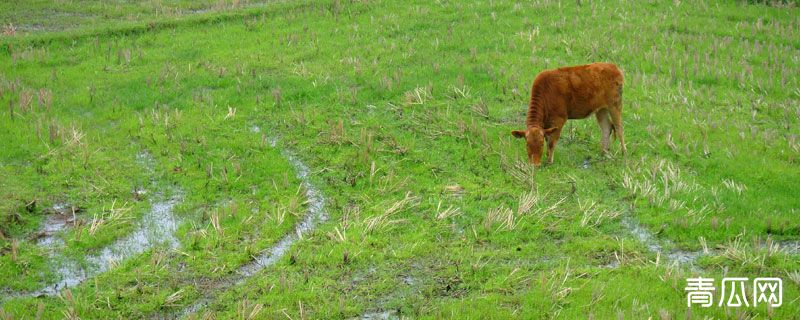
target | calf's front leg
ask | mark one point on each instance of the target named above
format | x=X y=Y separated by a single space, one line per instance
x=552 y=138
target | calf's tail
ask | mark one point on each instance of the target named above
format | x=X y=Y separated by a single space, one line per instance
x=614 y=127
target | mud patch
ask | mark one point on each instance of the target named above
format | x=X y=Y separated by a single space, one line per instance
x=315 y=213
x=410 y=285
x=790 y=246
x=59 y=217
x=157 y=227
x=688 y=258
x=586 y=164
x=380 y=315
x=681 y=257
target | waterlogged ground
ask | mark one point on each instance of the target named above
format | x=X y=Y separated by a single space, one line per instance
x=347 y=159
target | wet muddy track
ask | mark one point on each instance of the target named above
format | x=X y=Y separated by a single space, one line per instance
x=680 y=257
x=315 y=213
x=60 y=216
x=156 y=227
x=410 y=282
x=689 y=258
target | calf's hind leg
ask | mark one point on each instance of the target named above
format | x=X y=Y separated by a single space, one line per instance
x=605 y=128
x=616 y=118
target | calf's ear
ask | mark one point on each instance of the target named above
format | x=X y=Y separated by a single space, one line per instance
x=518 y=133
x=550 y=130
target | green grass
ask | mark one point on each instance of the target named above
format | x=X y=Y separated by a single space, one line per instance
x=81 y=15
x=402 y=111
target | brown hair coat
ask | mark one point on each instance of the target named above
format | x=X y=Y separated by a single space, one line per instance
x=572 y=93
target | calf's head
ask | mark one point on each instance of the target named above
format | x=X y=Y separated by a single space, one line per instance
x=534 y=139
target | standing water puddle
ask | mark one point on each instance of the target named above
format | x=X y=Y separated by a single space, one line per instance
x=380 y=315
x=62 y=215
x=156 y=227
x=680 y=257
x=314 y=214
x=790 y=246
x=683 y=257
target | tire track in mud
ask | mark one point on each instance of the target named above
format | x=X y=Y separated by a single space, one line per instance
x=156 y=227
x=315 y=213
x=688 y=258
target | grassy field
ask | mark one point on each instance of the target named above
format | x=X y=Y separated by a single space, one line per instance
x=402 y=111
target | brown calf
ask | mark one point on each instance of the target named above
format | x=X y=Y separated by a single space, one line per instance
x=572 y=93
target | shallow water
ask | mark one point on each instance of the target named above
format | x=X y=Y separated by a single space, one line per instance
x=790 y=246
x=644 y=235
x=315 y=213
x=53 y=225
x=650 y=240
x=684 y=257
x=157 y=227
x=380 y=315
x=586 y=164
